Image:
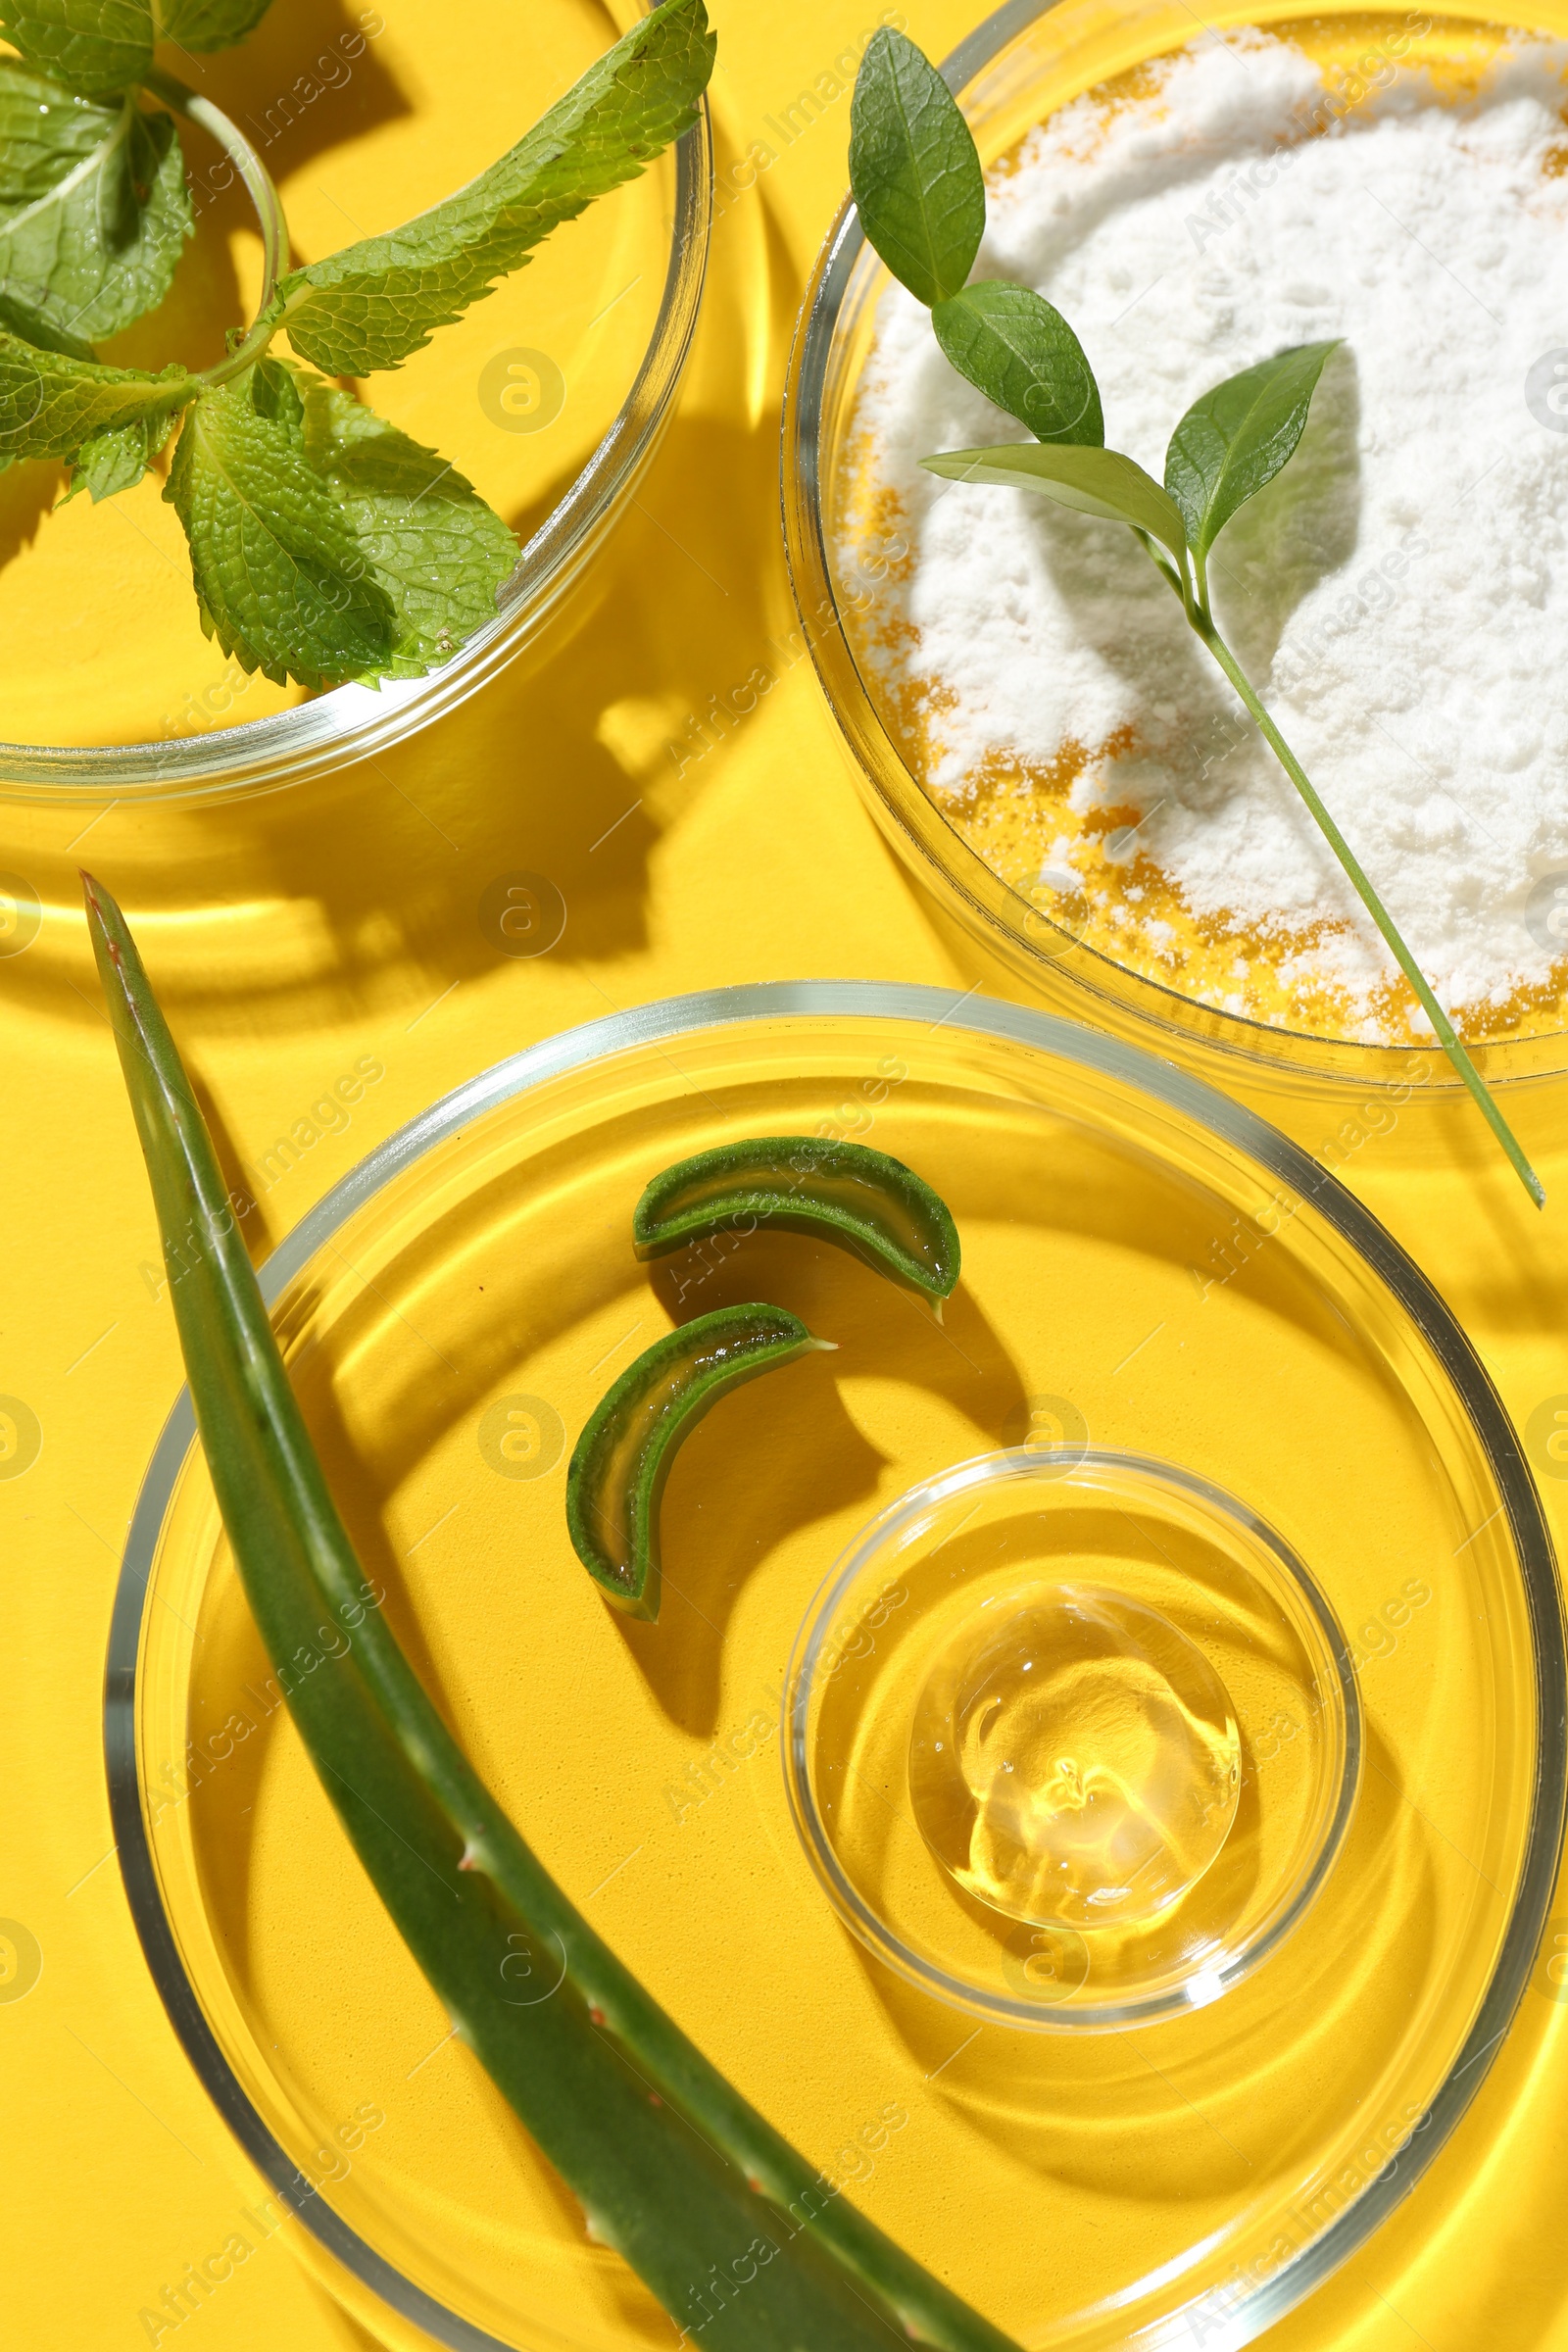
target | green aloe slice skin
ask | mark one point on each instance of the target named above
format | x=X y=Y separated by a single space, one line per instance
x=625 y=1453
x=839 y=1191
x=747 y=2244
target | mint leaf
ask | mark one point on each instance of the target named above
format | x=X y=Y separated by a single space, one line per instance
x=280 y=575
x=204 y=24
x=1237 y=437
x=1093 y=481
x=45 y=131
x=50 y=403
x=371 y=304
x=429 y=539
x=31 y=326
x=98 y=45
x=1020 y=352
x=117 y=457
x=917 y=177
x=94 y=212
x=91 y=45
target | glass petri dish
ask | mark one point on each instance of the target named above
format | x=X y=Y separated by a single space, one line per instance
x=452 y=1312
x=556 y=438
x=1017 y=67
x=1184 y=1658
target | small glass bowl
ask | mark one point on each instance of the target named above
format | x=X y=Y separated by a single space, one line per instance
x=1017 y=67
x=671 y=211
x=950 y=1563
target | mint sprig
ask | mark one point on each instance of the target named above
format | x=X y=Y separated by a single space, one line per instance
x=1019 y=351
x=325 y=545
x=94 y=211
x=370 y=306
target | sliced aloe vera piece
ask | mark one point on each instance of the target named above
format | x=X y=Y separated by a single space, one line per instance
x=624 y=1454
x=745 y=2243
x=840 y=1192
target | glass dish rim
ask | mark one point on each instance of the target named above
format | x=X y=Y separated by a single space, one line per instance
x=1000 y=1467
x=348 y=723
x=956 y=875
x=1162 y=1083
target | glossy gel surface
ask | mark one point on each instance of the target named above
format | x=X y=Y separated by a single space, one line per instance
x=1074 y=1758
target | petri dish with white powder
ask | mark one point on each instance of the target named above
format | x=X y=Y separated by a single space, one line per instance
x=1398 y=594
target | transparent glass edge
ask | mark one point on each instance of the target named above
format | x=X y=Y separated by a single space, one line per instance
x=1161 y=1082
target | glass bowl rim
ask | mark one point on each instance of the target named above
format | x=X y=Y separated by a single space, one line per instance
x=1000 y=1468
x=348 y=723
x=956 y=875
x=1164 y=1085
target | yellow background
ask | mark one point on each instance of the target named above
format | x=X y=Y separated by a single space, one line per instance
x=292 y=937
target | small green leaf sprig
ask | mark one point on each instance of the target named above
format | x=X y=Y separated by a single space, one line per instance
x=325 y=545
x=920 y=193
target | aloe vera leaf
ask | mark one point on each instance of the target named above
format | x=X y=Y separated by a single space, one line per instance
x=671 y=2165
x=629 y=1446
x=866 y=1201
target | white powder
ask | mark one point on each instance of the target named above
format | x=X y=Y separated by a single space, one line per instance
x=1400 y=595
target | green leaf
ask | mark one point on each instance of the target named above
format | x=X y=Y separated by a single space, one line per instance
x=116 y=460
x=96 y=45
x=45 y=131
x=94 y=211
x=673 y=2166
x=325 y=545
x=204 y=24
x=917 y=177
x=89 y=44
x=50 y=403
x=280 y=575
x=1020 y=352
x=1238 y=436
x=430 y=541
x=373 y=304
x=1094 y=481
x=31 y=326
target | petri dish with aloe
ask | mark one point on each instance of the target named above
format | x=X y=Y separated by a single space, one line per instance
x=1342 y=1962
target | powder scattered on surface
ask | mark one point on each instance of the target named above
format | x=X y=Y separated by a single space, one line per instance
x=1399 y=595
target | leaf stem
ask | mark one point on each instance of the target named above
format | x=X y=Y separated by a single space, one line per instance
x=263 y=196
x=1202 y=621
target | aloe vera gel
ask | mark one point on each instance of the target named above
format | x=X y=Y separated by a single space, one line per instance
x=1074 y=1757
